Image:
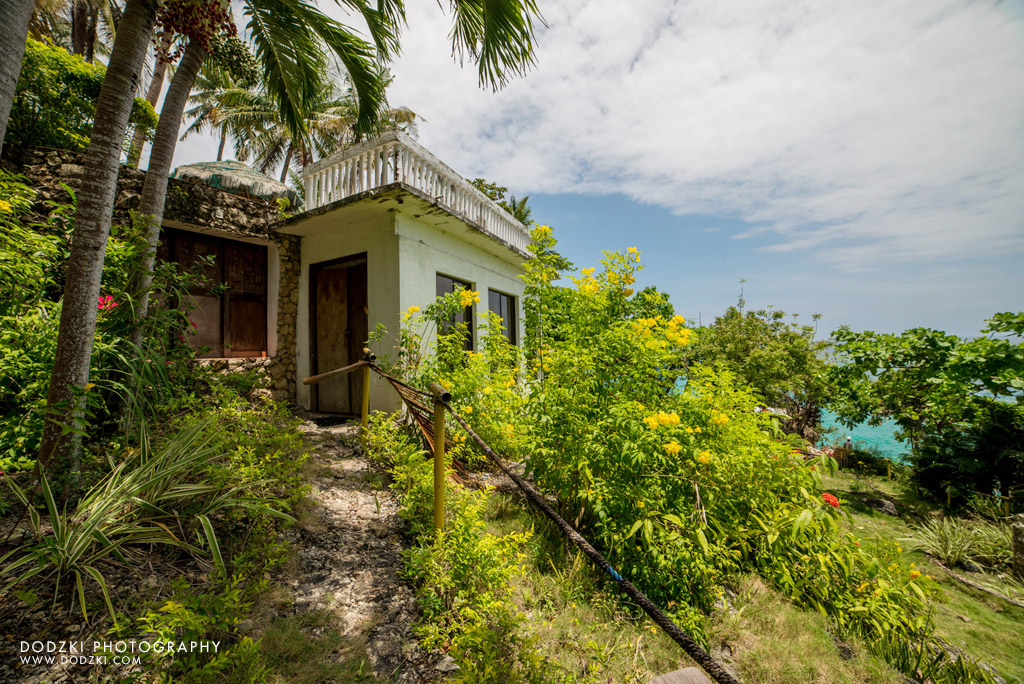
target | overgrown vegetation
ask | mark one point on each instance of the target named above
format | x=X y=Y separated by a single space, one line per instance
x=665 y=464
x=181 y=467
x=55 y=101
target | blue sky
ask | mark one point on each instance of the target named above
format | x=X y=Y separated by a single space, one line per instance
x=862 y=159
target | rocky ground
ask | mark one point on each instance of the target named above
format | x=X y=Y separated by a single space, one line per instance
x=349 y=546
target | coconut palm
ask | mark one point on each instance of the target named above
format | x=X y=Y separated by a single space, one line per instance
x=13 y=34
x=249 y=115
x=207 y=100
x=92 y=228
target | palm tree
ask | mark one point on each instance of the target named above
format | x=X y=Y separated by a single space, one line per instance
x=519 y=209
x=207 y=100
x=249 y=115
x=161 y=53
x=13 y=34
x=92 y=228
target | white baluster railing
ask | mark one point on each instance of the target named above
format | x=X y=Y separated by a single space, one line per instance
x=396 y=158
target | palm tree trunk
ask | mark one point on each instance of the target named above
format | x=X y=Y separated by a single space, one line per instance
x=13 y=32
x=287 y=163
x=154 y=189
x=223 y=141
x=156 y=84
x=79 y=26
x=89 y=240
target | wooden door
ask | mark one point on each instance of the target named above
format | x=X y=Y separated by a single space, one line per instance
x=340 y=326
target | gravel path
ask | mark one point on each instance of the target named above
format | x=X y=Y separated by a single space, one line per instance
x=349 y=557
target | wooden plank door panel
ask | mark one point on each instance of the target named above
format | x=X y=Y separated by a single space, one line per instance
x=340 y=324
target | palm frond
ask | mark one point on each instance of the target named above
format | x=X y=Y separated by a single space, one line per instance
x=497 y=35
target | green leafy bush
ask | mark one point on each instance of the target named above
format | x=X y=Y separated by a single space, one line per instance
x=463 y=575
x=55 y=100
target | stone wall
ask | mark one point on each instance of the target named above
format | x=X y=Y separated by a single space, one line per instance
x=189 y=202
x=282 y=370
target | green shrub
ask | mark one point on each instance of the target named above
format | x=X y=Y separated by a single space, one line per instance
x=463 y=575
x=55 y=100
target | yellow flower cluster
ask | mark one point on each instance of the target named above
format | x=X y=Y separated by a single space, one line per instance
x=542 y=231
x=635 y=253
x=645 y=326
x=719 y=418
x=705 y=457
x=468 y=297
x=676 y=333
x=589 y=286
x=673 y=448
x=467 y=409
x=5 y=207
x=663 y=419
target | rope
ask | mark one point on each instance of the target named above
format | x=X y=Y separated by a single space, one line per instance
x=692 y=648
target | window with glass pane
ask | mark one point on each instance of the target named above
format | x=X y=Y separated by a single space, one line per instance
x=505 y=306
x=445 y=285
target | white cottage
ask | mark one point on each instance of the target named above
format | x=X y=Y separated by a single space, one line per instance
x=388 y=226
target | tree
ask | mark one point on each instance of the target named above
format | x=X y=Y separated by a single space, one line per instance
x=13 y=34
x=55 y=102
x=250 y=116
x=499 y=193
x=156 y=85
x=924 y=379
x=950 y=397
x=782 y=361
x=92 y=227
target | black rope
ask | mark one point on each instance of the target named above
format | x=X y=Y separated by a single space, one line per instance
x=692 y=648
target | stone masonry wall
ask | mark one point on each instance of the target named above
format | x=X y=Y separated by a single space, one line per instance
x=189 y=202
x=282 y=371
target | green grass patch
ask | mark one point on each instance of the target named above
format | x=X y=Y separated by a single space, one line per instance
x=308 y=649
x=987 y=628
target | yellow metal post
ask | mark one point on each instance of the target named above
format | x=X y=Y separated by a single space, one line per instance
x=438 y=465
x=441 y=397
x=365 y=415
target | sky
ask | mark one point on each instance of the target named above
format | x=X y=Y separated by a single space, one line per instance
x=859 y=159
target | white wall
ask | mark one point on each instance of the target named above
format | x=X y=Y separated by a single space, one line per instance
x=425 y=251
x=404 y=255
x=375 y=235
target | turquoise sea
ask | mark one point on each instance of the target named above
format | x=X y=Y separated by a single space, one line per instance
x=881 y=436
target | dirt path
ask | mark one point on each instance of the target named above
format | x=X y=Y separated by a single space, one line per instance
x=349 y=557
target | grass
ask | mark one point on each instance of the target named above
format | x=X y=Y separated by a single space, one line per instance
x=775 y=642
x=582 y=624
x=579 y=622
x=307 y=649
x=984 y=626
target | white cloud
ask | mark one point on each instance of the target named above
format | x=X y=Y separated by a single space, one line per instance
x=864 y=131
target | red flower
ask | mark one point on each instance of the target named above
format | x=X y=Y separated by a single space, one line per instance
x=105 y=303
x=830 y=499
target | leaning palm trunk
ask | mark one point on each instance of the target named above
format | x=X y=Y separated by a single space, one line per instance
x=287 y=164
x=13 y=32
x=89 y=240
x=152 y=95
x=154 y=190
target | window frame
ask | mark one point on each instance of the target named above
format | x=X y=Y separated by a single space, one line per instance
x=510 y=327
x=467 y=313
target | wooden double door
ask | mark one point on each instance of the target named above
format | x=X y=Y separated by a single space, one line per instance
x=339 y=321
